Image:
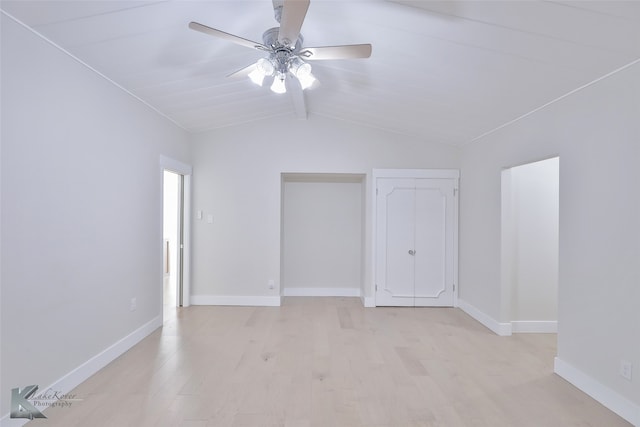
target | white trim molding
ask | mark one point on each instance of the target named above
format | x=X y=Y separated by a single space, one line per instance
x=368 y=302
x=321 y=292
x=94 y=70
x=617 y=403
x=80 y=374
x=174 y=165
x=502 y=329
x=534 y=326
x=415 y=173
x=252 y=301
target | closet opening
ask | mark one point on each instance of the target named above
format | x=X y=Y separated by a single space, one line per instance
x=322 y=234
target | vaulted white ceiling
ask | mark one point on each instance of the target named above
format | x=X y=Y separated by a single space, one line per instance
x=443 y=71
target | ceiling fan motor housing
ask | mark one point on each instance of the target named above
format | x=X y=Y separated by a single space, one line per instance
x=270 y=38
x=281 y=55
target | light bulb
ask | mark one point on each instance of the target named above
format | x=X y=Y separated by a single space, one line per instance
x=278 y=85
x=257 y=77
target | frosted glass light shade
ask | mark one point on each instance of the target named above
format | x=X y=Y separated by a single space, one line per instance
x=278 y=85
x=265 y=66
x=257 y=77
x=307 y=81
x=299 y=68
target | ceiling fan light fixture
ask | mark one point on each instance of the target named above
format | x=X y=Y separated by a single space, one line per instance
x=299 y=68
x=278 y=85
x=284 y=46
x=265 y=66
x=257 y=76
x=306 y=81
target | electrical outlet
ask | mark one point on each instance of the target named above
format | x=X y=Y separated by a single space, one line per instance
x=134 y=304
x=626 y=369
x=272 y=284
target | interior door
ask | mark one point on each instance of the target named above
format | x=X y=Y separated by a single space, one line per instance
x=395 y=231
x=434 y=235
x=415 y=242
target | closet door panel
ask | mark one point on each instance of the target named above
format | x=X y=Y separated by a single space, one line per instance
x=433 y=235
x=414 y=236
x=395 y=266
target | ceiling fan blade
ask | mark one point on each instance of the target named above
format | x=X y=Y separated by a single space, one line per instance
x=230 y=37
x=243 y=72
x=336 y=52
x=297 y=98
x=293 y=13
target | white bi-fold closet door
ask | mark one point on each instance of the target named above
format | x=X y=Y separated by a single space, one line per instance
x=416 y=232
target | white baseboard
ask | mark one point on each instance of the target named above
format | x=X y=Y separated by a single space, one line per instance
x=83 y=372
x=615 y=402
x=502 y=329
x=368 y=302
x=267 y=301
x=534 y=326
x=321 y=292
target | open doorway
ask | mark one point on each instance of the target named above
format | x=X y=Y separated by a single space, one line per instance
x=530 y=240
x=172 y=240
x=176 y=190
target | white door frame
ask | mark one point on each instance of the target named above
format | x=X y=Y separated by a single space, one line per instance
x=172 y=165
x=508 y=261
x=414 y=173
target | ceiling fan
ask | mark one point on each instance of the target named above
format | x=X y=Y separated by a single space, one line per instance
x=286 y=55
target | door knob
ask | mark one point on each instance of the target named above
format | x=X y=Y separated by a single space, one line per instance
x=412 y=252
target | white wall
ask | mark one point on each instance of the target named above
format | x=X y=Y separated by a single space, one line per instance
x=237 y=178
x=81 y=212
x=322 y=236
x=533 y=252
x=595 y=132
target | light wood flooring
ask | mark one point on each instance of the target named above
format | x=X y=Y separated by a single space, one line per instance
x=330 y=362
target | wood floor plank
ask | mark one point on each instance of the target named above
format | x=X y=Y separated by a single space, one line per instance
x=330 y=362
